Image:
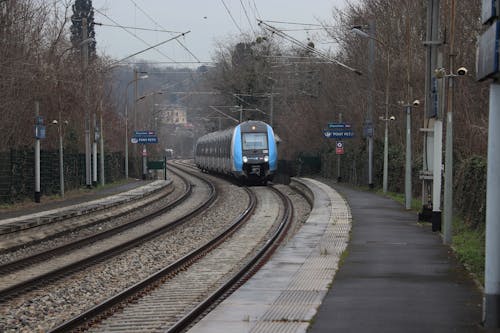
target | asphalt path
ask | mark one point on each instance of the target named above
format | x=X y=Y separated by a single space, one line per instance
x=397 y=276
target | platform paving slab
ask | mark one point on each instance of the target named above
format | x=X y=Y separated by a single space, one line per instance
x=283 y=296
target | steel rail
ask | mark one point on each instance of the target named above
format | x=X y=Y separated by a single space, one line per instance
x=99 y=257
x=107 y=307
x=63 y=249
x=245 y=273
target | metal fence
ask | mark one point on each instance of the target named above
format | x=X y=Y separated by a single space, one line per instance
x=17 y=172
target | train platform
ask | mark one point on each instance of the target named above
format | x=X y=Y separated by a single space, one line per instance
x=395 y=275
x=26 y=215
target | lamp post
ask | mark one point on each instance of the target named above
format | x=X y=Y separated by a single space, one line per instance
x=361 y=33
x=440 y=73
x=126 y=119
x=408 y=164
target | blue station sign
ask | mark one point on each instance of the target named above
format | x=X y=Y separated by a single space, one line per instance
x=144 y=139
x=338 y=133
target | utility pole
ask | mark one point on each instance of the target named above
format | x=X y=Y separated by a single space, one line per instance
x=101 y=138
x=408 y=157
x=94 y=152
x=37 y=152
x=431 y=169
x=369 y=117
x=271 y=101
x=85 y=58
x=448 y=174
x=339 y=177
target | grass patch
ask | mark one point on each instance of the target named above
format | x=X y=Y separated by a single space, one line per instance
x=469 y=246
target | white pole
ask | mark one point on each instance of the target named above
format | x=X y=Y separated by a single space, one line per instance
x=436 y=182
x=339 y=178
x=408 y=184
x=94 y=153
x=37 y=157
x=85 y=57
x=491 y=309
x=61 y=158
x=101 y=138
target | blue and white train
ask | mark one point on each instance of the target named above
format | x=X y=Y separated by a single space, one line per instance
x=247 y=152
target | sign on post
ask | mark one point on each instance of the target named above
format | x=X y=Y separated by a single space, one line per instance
x=338 y=133
x=339 y=148
x=144 y=137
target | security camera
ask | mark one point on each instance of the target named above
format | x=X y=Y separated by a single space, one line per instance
x=55 y=122
x=462 y=71
x=392 y=118
x=416 y=102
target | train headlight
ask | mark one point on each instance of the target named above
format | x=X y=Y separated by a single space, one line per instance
x=266 y=158
x=245 y=159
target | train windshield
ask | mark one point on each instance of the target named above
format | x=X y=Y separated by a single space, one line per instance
x=253 y=141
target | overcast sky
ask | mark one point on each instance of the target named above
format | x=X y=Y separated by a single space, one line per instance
x=208 y=20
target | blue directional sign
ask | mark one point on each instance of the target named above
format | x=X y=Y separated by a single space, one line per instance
x=144 y=139
x=339 y=125
x=144 y=133
x=39 y=131
x=338 y=134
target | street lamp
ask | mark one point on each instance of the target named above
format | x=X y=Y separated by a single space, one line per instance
x=440 y=73
x=126 y=118
x=363 y=34
x=408 y=164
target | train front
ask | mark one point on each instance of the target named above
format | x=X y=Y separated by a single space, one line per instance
x=255 y=151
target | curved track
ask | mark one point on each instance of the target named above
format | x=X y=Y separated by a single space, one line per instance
x=12 y=285
x=182 y=284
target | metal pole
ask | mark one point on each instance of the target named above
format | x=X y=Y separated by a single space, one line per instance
x=448 y=175
x=241 y=114
x=408 y=189
x=85 y=58
x=491 y=304
x=37 y=157
x=272 y=108
x=126 y=137
x=386 y=133
x=339 y=177
x=369 y=120
x=61 y=156
x=144 y=162
x=94 y=153
x=101 y=138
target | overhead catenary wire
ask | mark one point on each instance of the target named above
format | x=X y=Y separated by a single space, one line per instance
x=231 y=15
x=151 y=47
x=136 y=28
x=306 y=47
x=131 y=33
x=248 y=18
x=159 y=25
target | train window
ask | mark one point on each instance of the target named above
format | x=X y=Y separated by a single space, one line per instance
x=254 y=141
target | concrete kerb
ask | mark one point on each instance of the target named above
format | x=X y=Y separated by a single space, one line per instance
x=53 y=215
x=285 y=294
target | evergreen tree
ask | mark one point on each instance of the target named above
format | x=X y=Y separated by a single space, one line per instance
x=83 y=9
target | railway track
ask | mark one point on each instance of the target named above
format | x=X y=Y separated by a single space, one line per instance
x=197 y=281
x=28 y=273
